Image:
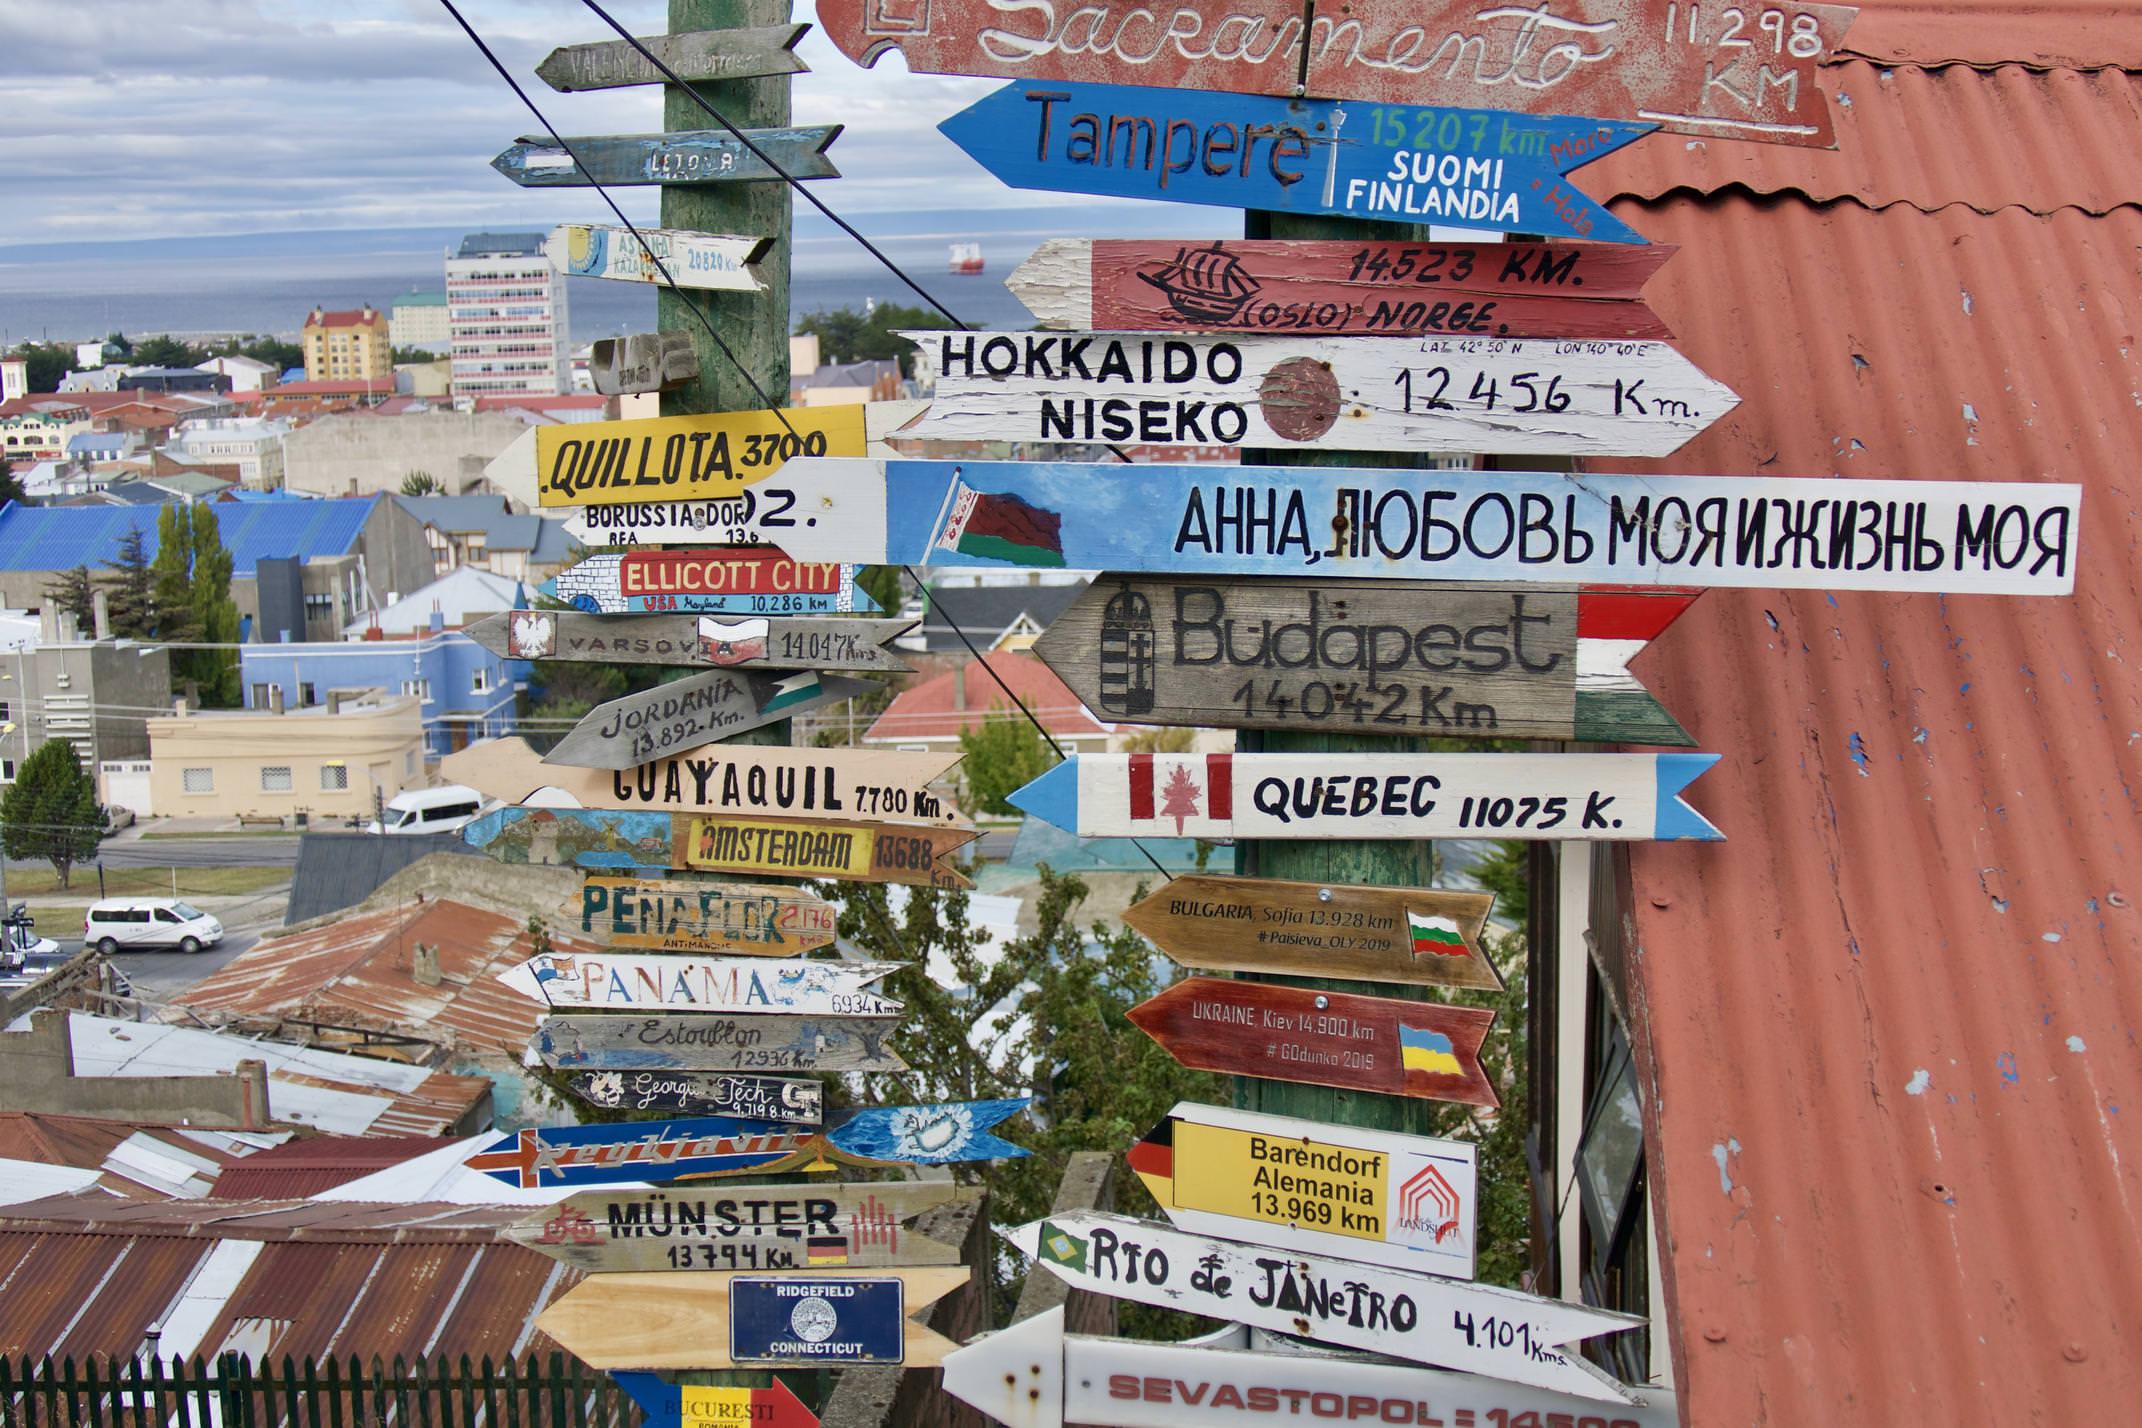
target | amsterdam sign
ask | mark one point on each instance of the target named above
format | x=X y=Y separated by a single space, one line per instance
x=602 y=841
x=752 y=52
x=1579 y=797
x=1470 y=168
x=749 y=1227
x=1412 y=394
x=680 y=156
x=717 y=261
x=782 y=1100
x=669 y=982
x=675 y=915
x=1366 y=657
x=820 y=642
x=1534 y=527
x=716 y=1043
x=636 y=730
x=1410 y=936
x=1370 y=287
x=756 y=580
x=678 y=457
x=1427 y=1050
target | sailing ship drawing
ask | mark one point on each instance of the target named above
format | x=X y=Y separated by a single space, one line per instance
x=1205 y=285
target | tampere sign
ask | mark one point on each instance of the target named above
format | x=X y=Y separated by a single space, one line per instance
x=754 y=580
x=1414 y=394
x=1321 y=1189
x=1472 y=168
x=1536 y=527
x=816 y=642
x=681 y=156
x=1452 y=660
x=717 y=1043
x=718 y=261
x=681 y=457
x=1580 y=797
x=1692 y=70
x=674 y=915
x=1370 y=287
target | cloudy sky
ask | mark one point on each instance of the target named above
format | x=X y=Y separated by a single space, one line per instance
x=147 y=118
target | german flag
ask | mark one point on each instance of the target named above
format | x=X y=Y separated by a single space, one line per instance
x=826 y=1249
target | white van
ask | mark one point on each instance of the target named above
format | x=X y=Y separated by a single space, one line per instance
x=429 y=810
x=119 y=923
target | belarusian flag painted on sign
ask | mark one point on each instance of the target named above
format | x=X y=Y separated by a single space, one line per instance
x=1437 y=935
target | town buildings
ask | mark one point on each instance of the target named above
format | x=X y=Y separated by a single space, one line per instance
x=419 y=323
x=360 y=453
x=347 y=346
x=507 y=310
x=93 y=691
x=336 y=760
x=251 y=445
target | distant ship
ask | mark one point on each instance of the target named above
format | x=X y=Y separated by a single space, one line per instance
x=966 y=258
x=1205 y=285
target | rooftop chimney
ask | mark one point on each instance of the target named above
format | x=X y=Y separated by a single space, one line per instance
x=438 y=618
x=424 y=966
x=959 y=687
x=100 y=607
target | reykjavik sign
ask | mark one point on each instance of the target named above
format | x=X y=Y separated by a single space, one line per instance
x=1412 y=394
x=1534 y=527
x=1472 y=168
x=1726 y=73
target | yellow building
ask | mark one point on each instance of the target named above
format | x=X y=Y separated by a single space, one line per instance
x=324 y=761
x=349 y=346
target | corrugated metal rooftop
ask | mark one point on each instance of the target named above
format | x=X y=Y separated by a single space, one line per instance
x=62 y=537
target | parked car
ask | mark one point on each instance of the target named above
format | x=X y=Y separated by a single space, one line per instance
x=429 y=810
x=137 y=922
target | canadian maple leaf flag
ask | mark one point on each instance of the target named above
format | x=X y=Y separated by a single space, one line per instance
x=1188 y=786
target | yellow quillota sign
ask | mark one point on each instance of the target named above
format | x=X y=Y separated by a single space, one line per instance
x=684 y=458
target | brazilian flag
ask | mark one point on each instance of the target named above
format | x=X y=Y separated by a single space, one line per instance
x=1059 y=1246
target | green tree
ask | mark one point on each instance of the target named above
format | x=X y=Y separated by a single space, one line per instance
x=882 y=584
x=166 y=352
x=400 y=355
x=73 y=592
x=1004 y=754
x=171 y=581
x=10 y=485
x=215 y=613
x=51 y=810
x=132 y=593
x=845 y=335
x=422 y=483
x=45 y=364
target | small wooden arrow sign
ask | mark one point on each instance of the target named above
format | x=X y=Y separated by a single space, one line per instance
x=829 y=642
x=602 y=841
x=1034 y=1375
x=676 y=915
x=686 y=1321
x=681 y=156
x=1580 y=797
x=1532 y=527
x=1500 y=1332
x=1470 y=168
x=638 y=729
x=1442 y=394
x=1415 y=936
x=671 y=458
x=1456 y=660
x=753 y=52
x=716 y=1043
x=694 y=1405
x=719 y=262
x=1427 y=1050
x=1406 y=1201
x=1327 y=287
x=635 y=1150
x=778 y=1100
x=752 y=780
x=756 y=580
x=667 y=982
x=748 y=1227
x=643 y=362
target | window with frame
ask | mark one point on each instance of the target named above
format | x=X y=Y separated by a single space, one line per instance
x=308 y=695
x=480 y=682
x=7 y=770
x=197 y=781
x=334 y=778
x=275 y=778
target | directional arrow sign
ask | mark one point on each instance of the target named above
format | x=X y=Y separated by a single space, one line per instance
x=722 y=778
x=755 y=52
x=1690 y=70
x=603 y=841
x=1034 y=1375
x=635 y=1150
x=741 y=1227
x=1981 y=537
x=638 y=981
x=720 y=262
x=1418 y=936
x=1500 y=1332
x=1381 y=289
x=1443 y=394
x=674 y=915
x=684 y=156
x=694 y=641
x=643 y=362
x=781 y=1100
x=731 y=580
x=726 y=1043
x=1475 y=168
x=1580 y=797
x=694 y=1405
x=948 y=1133
x=637 y=729
x=686 y=1321
x=1452 y=660
x=1407 y=1201
x=678 y=457
x=1427 y=1050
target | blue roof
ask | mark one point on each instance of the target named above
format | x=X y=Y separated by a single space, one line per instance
x=62 y=537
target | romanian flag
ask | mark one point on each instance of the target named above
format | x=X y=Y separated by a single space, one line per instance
x=1434 y=935
x=826 y=1249
x=1428 y=1051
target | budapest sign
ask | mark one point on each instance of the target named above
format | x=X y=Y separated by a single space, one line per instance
x=683 y=457
x=1470 y=168
x=604 y=841
x=716 y=1043
x=1268 y=391
x=1372 y=287
x=1535 y=527
x=756 y=580
x=668 y=982
x=819 y=642
x=1452 y=660
x=680 y=156
x=676 y=915
x=637 y=729
x=740 y=1227
x=1723 y=73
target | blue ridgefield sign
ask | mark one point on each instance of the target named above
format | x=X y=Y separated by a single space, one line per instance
x=787 y=1320
x=1470 y=168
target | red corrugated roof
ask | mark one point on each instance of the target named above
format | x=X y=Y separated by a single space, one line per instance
x=347 y=317
x=298 y=1168
x=87 y=1143
x=1886 y=1028
x=941 y=708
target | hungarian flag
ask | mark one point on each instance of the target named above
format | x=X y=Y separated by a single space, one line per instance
x=1434 y=935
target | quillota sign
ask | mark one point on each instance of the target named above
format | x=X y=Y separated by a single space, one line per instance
x=684 y=457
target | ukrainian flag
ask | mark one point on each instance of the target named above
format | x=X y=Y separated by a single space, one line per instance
x=1428 y=1051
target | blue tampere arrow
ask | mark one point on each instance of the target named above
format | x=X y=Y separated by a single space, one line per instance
x=1472 y=168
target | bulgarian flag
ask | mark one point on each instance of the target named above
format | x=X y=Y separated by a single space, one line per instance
x=1434 y=935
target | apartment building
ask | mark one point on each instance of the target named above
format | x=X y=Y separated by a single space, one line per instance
x=506 y=308
x=418 y=323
